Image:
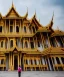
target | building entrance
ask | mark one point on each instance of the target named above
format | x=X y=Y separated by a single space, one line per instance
x=15 y=62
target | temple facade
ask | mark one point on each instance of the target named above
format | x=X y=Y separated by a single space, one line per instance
x=27 y=43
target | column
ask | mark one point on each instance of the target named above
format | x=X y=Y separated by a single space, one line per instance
x=5 y=27
x=36 y=43
x=53 y=63
x=13 y=61
x=48 y=40
x=56 y=42
x=8 y=45
x=20 y=27
x=49 y=65
x=55 y=60
x=15 y=25
x=60 y=60
x=18 y=59
x=62 y=41
x=9 y=25
x=29 y=43
x=43 y=61
x=9 y=61
x=43 y=41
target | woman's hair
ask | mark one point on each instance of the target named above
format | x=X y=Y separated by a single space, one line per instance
x=19 y=65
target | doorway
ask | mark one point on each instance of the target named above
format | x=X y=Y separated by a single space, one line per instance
x=15 y=62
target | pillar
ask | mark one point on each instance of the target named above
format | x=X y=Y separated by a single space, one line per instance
x=9 y=25
x=48 y=40
x=13 y=61
x=49 y=65
x=9 y=61
x=62 y=41
x=20 y=26
x=55 y=60
x=56 y=42
x=53 y=63
x=60 y=60
x=18 y=59
x=8 y=46
x=15 y=25
x=5 y=27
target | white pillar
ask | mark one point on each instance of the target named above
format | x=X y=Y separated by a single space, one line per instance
x=28 y=61
x=60 y=60
x=33 y=62
x=37 y=62
x=55 y=61
x=43 y=62
x=49 y=65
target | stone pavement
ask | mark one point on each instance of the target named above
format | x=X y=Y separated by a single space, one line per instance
x=32 y=74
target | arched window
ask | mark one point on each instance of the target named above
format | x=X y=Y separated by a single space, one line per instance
x=26 y=44
x=35 y=62
x=26 y=61
x=2 y=61
x=38 y=44
x=33 y=29
x=31 y=62
x=17 y=28
x=11 y=43
x=1 y=43
x=24 y=29
x=30 y=30
x=11 y=28
x=0 y=28
x=32 y=44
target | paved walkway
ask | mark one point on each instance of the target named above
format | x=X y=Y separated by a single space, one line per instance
x=32 y=74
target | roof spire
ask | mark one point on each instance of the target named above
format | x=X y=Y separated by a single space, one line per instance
x=12 y=4
x=27 y=11
x=35 y=13
x=53 y=16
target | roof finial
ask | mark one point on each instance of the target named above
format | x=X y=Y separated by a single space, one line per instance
x=27 y=10
x=12 y=4
x=35 y=13
x=53 y=15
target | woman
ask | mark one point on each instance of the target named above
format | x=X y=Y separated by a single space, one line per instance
x=19 y=71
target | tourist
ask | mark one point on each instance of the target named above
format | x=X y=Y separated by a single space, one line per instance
x=19 y=71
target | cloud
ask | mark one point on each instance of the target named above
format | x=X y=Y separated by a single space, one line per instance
x=44 y=10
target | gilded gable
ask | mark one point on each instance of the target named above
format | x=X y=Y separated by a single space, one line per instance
x=12 y=13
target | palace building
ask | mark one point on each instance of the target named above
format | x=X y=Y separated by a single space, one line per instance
x=28 y=43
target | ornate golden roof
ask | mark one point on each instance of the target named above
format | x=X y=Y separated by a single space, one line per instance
x=12 y=8
x=50 y=23
x=57 y=33
x=44 y=29
x=54 y=50
x=16 y=13
x=34 y=19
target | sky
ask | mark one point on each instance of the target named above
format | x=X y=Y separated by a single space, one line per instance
x=44 y=10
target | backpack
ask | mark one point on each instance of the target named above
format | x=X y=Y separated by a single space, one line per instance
x=19 y=69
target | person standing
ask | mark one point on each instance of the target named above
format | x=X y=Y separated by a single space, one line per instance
x=19 y=71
